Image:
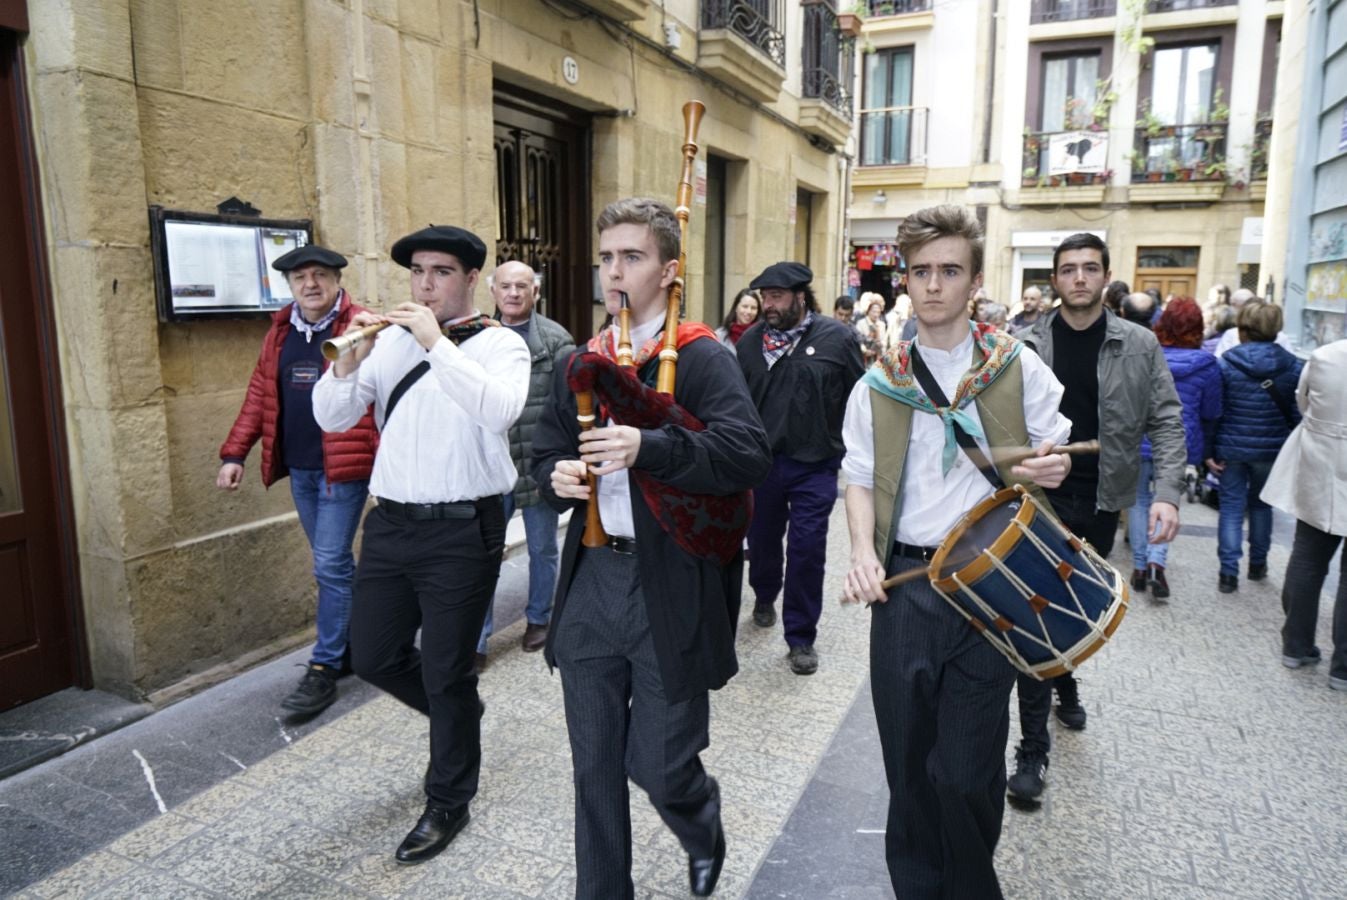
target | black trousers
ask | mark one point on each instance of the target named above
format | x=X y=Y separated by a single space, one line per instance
x=942 y=704
x=1311 y=553
x=621 y=725
x=437 y=576
x=1099 y=529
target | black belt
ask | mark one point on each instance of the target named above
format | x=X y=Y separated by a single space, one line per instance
x=427 y=512
x=625 y=546
x=912 y=551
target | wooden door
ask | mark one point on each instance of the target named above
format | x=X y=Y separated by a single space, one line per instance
x=39 y=646
x=1178 y=282
x=542 y=202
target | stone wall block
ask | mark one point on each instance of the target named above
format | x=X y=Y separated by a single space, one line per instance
x=422 y=18
x=201 y=604
x=336 y=161
x=106 y=323
x=384 y=65
x=421 y=101
x=81 y=120
x=433 y=187
x=157 y=38
x=247 y=52
x=390 y=200
x=109 y=628
x=95 y=493
x=197 y=426
x=202 y=358
x=139 y=448
x=88 y=34
x=198 y=153
x=328 y=59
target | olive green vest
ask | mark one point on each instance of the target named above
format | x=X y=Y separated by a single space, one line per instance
x=1001 y=409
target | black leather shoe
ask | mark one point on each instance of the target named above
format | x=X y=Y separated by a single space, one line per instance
x=1257 y=573
x=1227 y=584
x=704 y=873
x=437 y=826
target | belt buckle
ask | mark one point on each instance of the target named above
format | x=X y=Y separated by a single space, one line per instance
x=617 y=543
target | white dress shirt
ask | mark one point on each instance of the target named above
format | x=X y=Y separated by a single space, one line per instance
x=615 y=489
x=932 y=502
x=448 y=439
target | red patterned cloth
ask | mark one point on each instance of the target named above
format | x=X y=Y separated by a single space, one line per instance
x=706 y=526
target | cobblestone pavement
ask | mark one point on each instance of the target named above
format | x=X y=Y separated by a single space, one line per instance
x=1207 y=770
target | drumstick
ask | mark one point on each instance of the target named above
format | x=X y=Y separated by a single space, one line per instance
x=1013 y=456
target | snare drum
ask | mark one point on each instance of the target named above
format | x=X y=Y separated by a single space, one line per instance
x=1040 y=594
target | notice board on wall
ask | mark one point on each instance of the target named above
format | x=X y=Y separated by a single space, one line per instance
x=209 y=265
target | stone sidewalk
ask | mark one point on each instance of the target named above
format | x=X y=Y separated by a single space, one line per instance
x=1207 y=770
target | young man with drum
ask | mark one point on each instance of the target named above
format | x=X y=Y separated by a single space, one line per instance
x=1118 y=387
x=941 y=692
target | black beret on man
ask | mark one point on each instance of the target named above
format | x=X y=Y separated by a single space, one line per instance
x=309 y=255
x=450 y=239
x=786 y=275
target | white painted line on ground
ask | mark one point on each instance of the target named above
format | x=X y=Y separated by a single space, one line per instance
x=282 y=728
x=232 y=759
x=149 y=778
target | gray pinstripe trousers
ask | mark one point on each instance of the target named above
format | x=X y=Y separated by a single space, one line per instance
x=620 y=725
x=942 y=703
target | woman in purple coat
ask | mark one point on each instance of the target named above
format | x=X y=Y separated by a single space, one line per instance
x=1197 y=376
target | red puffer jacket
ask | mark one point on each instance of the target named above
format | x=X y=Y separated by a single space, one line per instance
x=347 y=455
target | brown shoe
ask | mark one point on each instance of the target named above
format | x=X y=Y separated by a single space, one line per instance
x=535 y=636
x=479 y=664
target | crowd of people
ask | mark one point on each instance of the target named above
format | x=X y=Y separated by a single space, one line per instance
x=914 y=406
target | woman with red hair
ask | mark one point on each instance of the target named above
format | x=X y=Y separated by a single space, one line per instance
x=1197 y=376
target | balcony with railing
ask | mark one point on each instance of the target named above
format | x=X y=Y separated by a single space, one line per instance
x=742 y=42
x=893 y=136
x=1162 y=6
x=1038 y=170
x=895 y=7
x=1046 y=11
x=1179 y=152
x=826 y=74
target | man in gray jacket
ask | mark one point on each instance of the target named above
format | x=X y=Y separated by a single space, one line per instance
x=1118 y=388
x=515 y=290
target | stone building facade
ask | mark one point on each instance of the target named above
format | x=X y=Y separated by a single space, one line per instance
x=1174 y=102
x=518 y=119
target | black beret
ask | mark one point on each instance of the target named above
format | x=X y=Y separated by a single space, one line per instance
x=309 y=255
x=459 y=242
x=788 y=275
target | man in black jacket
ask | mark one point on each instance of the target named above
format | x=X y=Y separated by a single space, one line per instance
x=800 y=367
x=642 y=628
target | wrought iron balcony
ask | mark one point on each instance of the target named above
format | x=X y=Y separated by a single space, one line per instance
x=1180 y=152
x=896 y=7
x=826 y=57
x=1037 y=172
x=1071 y=10
x=1159 y=6
x=894 y=136
x=757 y=21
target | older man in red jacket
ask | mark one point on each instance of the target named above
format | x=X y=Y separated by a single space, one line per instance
x=329 y=473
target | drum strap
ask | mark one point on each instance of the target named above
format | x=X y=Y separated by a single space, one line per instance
x=966 y=441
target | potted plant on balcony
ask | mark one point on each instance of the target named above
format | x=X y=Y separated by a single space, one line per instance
x=850 y=22
x=1217 y=170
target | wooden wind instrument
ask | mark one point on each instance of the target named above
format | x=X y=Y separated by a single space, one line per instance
x=594 y=535
x=693 y=111
x=624 y=356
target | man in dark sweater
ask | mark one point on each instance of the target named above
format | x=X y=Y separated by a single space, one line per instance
x=800 y=367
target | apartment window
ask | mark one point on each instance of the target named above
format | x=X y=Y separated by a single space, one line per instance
x=1183 y=84
x=1070 y=87
x=887 y=117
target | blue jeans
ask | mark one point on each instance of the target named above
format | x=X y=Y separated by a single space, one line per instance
x=1143 y=551
x=540 y=529
x=330 y=514
x=1241 y=483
